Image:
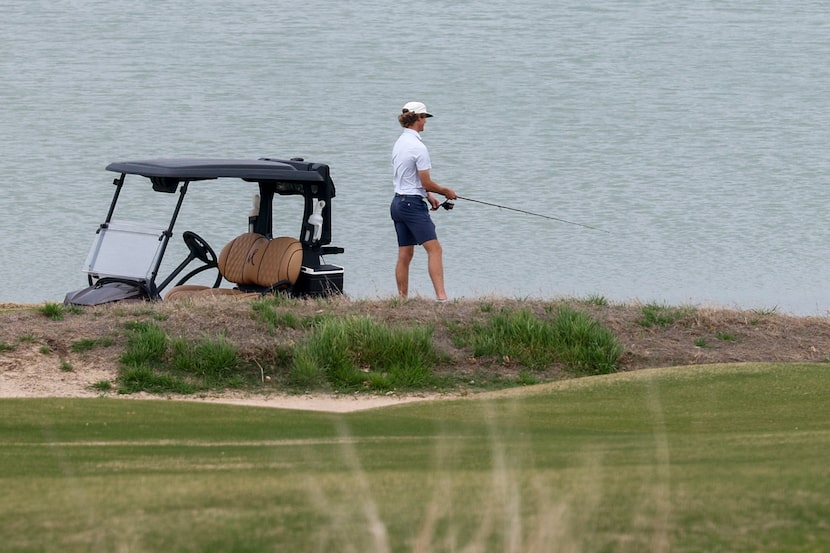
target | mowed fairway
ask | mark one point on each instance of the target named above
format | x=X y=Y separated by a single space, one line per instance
x=718 y=458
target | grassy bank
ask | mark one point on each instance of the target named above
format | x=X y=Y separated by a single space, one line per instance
x=698 y=459
x=389 y=346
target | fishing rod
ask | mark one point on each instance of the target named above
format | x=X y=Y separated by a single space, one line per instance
x=449 y=205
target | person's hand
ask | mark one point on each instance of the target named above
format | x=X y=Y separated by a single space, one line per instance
x=450 y=194
x=433 y=201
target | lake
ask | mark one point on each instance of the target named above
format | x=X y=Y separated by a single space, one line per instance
x=694 y=135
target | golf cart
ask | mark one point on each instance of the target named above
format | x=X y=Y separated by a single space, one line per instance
x=126 y=256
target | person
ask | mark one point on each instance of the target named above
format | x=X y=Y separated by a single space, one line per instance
x=413 y=186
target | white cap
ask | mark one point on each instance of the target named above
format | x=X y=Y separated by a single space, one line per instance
x=416 y=107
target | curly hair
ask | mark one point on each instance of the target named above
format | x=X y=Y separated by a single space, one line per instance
x=407 y=118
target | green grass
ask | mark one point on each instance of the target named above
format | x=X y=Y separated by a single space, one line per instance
x=154 y=362
x=142 y=378
x=703 y=343
x=766 y=311
x=54 y=311
x=358 y=352
x=596 y=299
x=276 y=313
x=57 y=311
x=88 y=344
x=718 y=458
x=567 y=336
x=102 y=386
x=352 y=353
x=214 y=360
x=146 y=345
x=654 y=314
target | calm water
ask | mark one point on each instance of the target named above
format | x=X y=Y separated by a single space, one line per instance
x=696 y=136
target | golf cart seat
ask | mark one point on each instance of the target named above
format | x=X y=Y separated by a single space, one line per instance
x=255 y=264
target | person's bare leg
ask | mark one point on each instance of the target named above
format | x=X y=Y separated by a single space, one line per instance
x=436 y=267
x=405 y=254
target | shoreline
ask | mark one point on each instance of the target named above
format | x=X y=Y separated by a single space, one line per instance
x=40 y=356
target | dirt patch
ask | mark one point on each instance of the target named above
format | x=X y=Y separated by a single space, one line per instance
x=41 y=357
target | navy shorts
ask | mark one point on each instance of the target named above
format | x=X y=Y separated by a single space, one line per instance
x=412 y=221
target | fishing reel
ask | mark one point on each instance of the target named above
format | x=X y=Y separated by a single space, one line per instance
x=448 y=205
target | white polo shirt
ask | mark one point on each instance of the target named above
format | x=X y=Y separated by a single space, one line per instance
x=409 y=155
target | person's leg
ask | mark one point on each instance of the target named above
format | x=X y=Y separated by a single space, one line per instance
x=400 y=211
x=405 y=254
x=435 y=263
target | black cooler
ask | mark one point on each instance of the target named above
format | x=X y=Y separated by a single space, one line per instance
x=323 y=280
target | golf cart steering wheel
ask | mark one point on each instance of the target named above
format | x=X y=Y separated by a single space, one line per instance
x=199 y=248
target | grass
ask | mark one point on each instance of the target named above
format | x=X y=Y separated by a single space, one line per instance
x=88 y=344
x=153 y=362
x=102 y=386
x=702 y=343
x=719 y=458
x=54 y=311
x=344 y=354
x=655 y=314
x=568 y=336
x=214 y=360
x=141 y=378
x=348 y=353
x=57 y=311
x=146 y=345
x=358 y=352
x=277 y=314
x=595 y=299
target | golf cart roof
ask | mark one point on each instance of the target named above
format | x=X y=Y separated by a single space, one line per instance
x=190 y=169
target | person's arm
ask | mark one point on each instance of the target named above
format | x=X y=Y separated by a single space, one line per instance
x=432 y=186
